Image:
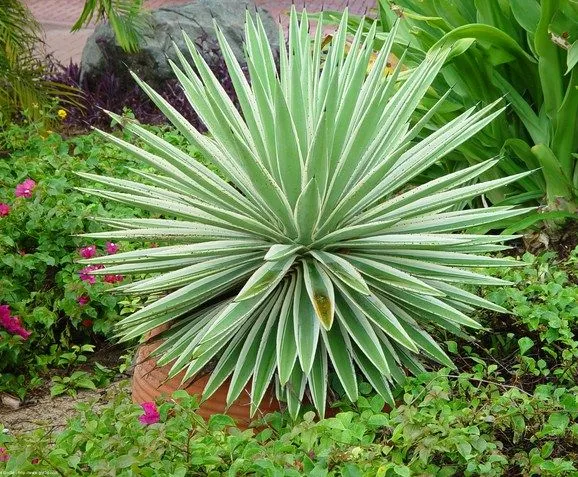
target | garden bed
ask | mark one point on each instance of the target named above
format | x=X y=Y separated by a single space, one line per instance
x=377 y=236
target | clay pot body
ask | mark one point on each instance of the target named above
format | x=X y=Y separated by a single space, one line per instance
x=149 y=382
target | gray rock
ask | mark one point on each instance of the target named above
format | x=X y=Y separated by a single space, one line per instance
x=9 y=401
x=102 y=53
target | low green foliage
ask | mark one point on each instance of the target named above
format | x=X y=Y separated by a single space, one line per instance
x=70 y=384
x=444 y=425
x=75 y=355
x=541 y=340
x=39 y=248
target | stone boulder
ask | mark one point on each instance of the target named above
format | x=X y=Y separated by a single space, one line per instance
x=103 y=55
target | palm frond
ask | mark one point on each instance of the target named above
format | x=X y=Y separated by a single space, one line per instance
x=128 y=20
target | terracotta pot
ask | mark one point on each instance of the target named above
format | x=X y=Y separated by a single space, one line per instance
x=149 y=382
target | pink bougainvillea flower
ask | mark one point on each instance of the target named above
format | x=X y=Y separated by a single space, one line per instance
x=25 y=334
x=4 y=210
x=113 y=278
x=25 y=188
x=12 y=324
x=151 y=413
x=3 y=455
x=111 y=248
x=88 y=252
x=86 y=276
x=82 y=300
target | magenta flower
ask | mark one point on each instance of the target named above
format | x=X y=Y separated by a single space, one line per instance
x=25 y=334
x=3 y=455
x=82 y=300
x=20 y=331
x=86 y=276
x=88 y=252
x=12 y=324
x=4 y=210
x=111 y=248
x=25 y=188
x=151 y=413
x=113 y=278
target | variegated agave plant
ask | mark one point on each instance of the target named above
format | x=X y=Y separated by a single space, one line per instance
x=313 y=253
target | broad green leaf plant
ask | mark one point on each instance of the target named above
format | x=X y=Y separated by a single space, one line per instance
x=312 y=255
x=523 y=50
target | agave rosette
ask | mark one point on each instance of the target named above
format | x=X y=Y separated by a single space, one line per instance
x=312 y=254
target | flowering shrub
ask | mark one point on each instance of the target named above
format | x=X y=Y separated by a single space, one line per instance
x=56 y=299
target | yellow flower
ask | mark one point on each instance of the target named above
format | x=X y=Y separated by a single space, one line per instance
x=61 y=113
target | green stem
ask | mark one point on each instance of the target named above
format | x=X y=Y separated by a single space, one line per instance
x=558 y=186
x=565 y=140
x=549 y=66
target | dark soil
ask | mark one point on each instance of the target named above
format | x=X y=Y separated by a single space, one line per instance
x=562 y=241
x=567 y=240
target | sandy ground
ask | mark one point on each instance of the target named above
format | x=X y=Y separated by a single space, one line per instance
x=53 y=413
